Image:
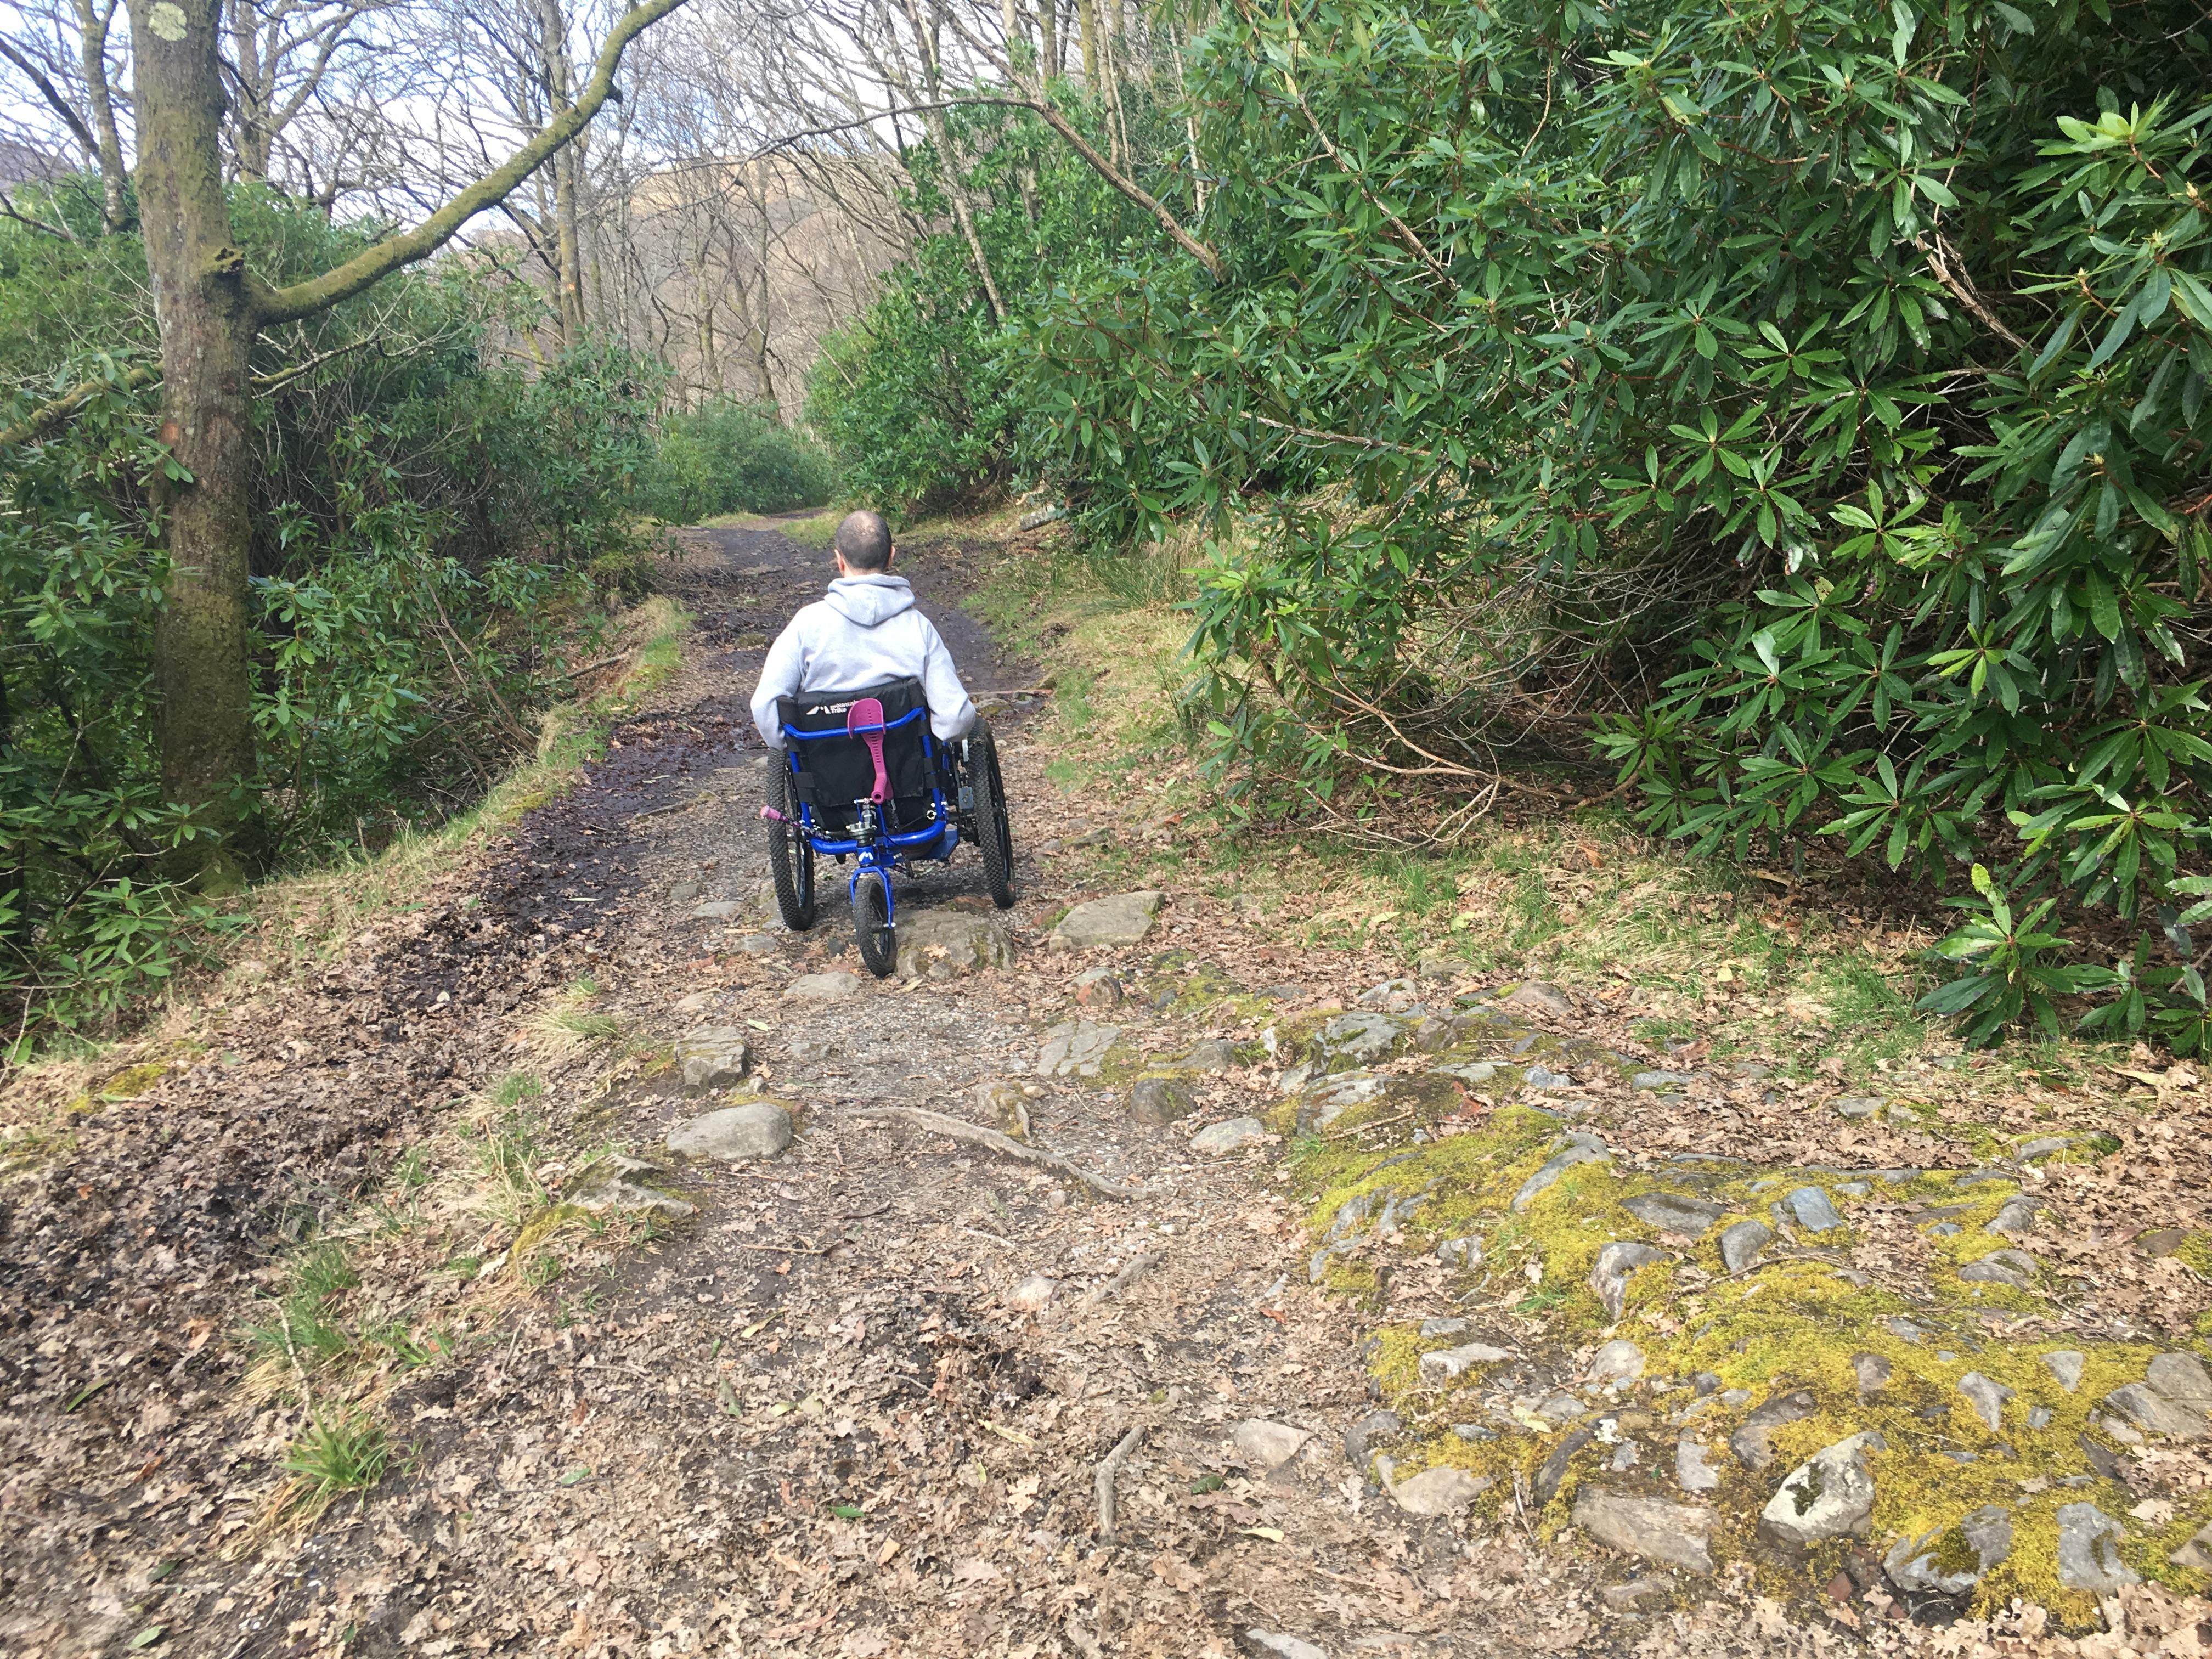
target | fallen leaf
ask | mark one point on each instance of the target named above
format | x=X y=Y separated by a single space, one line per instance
x=1273 y=1535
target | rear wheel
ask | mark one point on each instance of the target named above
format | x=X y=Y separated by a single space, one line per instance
x=790 y=855
x=871 y=922
x=994 y=835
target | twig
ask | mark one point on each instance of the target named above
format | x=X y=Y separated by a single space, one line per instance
x=953 y=1128
x=590 y=667
x=1108 y=1472
x=977 y=1232
x=1129 y=1276
x=787 y=1250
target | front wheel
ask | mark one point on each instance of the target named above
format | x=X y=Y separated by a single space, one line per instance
x=993 y=833
x=871 y=922
x=790 y=854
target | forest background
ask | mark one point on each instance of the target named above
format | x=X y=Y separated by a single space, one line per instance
x=1798 y=410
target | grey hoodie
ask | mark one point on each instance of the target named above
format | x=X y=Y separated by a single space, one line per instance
x=865 y=630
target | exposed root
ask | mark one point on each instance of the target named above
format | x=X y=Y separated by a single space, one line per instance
x=1129 y=1276
x=975 y=1134
x=1110 y=1470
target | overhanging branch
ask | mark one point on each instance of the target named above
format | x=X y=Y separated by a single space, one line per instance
x=320 y=292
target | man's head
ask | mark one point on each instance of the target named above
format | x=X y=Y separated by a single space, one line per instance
x=863 y=545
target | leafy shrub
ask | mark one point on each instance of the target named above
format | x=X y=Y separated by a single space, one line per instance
x=432 y=536
x=1810 y=395
x=729 y=457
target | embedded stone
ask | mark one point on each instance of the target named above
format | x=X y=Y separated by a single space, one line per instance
x=1680 y=1534
x=2155 y=1413
x=2018 y=1215
x=1674 y=1213
x=1106 y=924
x=1031 y=1294
x=2196 y=1553
x=1279 y=1644
x=1661 y=1079
x=1752 y=1442
x=1872 y=1371
x=1815 y=1211
x=1359 y=1438
x=1360 y=1036
x=2182 y=1378
x=1267 y=1444
x=1829 y=1495
x=1076 y=1048
x=823 y=987
x=735 y=1134
x=1229 y=1135
x=1157 y=1102
x=1693 y=1469
x=1537 y=997
x=1552 y=1473
x=1987 y=1396
x=1462 y=1252
x=2089 y=1551
x=1441 y=1491
x=1617 y=1263
x=1860 y=1105
x=2013 y=1268
x=1587 y=1149
x=1913 y=1566
x=1741 y=1243
x=936 y=943
x=1618 y=1361
x=713 y=1057
x=1097 y=987
x=1444 y=1364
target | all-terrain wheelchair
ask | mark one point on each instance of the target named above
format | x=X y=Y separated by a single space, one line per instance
x=864 y=779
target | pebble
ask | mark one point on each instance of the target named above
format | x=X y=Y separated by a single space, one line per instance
x=1395 y=994
x=1661 y=1079
x=1269 y=1445
x=1032 y=1293
x=1463 y=1252
x=1829 y=1495
x=2065 y=1364
x=758 y=945
x=1860 y=1105
x=1631 y=1596
x=717 y=910
x=2196 y=1553
x=1617 y=1263
x=2089 y=1551
x=1274 y=1644
x=1680 y=1534
x=1540 y=1077
x=2013 y=1268
x=1987 y=1396
x=1097 y=987
x=758 y=1129
x=2018 y=1215
x=1741 y=1243
x=1229 y=1136
x=1106 y=924
x=823 y=987
x=1443 y=1327
x=1618 y=1361
x=1903 y=1329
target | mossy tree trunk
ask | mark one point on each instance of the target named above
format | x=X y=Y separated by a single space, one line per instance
x=208 y=306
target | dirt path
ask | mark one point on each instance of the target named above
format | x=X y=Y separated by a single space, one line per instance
x=854 y=1398
x=816 y=1417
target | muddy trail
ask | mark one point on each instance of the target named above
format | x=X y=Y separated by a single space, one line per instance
x=1067 y=1374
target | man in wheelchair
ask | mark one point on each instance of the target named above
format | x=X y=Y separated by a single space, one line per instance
x=883 y=758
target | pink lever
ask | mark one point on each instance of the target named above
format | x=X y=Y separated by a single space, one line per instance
x=866 y=714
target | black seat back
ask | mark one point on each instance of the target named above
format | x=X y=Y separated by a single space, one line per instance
x=835 y=768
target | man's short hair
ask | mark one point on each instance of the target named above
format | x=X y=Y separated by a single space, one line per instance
x=865 y=540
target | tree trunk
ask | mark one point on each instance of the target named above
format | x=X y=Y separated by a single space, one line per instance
x=253 y=144
x=200 y=302
x=93 y=25
x=553 y=44
x=1047 y=39
x=1086 y=17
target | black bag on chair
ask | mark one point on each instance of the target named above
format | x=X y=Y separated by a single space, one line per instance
x=836 y=768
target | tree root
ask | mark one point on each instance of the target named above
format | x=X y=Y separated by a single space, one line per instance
x=1108 y=1471
x=975 y=1134
x=1129 y=1276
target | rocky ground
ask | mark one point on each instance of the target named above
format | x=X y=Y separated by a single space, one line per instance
x=1255 y=1300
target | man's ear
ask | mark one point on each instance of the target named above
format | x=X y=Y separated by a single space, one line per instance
x=889 y=556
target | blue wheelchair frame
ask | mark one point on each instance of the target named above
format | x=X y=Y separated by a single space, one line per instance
x=881 y=850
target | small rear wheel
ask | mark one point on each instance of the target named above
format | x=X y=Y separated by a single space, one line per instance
x=871 y=922
x=790 y=854
x=994 y=835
